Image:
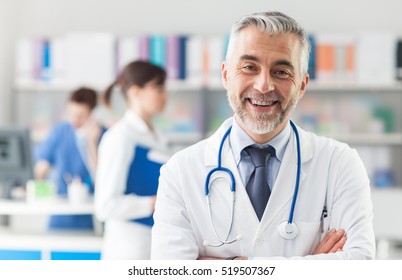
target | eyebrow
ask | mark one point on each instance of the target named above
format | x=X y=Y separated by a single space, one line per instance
x=249 y=57
x=285 y=63
x=256 y=59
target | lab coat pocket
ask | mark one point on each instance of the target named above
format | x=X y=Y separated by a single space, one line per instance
x=306 y=241
x=325 y=224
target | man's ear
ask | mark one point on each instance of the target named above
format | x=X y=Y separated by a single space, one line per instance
x=303 y=86
x=224 y=71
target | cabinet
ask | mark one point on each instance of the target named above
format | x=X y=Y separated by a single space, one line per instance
x=367 y=117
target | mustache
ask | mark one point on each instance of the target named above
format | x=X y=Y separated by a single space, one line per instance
x=266 y=97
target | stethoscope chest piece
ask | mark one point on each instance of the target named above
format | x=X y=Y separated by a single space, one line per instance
x=288 y=231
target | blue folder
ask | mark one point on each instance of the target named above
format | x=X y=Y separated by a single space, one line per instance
x=143 y=178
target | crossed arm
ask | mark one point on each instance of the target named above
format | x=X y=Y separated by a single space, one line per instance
x=333 y=242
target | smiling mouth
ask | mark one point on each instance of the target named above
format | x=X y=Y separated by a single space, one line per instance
x=261 y=103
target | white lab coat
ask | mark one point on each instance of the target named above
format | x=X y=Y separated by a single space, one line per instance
x=331 y=174
x=123 y=239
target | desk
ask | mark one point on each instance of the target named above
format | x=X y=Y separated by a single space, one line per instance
x=53 y=206
x=26 y=244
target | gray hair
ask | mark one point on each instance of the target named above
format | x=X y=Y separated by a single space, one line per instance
x=273 y=23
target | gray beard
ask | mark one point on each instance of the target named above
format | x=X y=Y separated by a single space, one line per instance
x=261 y=123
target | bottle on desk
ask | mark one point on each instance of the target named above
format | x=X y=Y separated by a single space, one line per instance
x=78 y=193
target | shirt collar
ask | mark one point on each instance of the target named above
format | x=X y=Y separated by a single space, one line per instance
x=239 y=140
x=136 y=122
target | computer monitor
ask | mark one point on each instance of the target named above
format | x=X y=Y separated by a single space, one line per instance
x=15 y=159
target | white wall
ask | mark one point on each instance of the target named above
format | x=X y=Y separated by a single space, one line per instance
x=201 y=16
x=123 y=17
x=7 y=39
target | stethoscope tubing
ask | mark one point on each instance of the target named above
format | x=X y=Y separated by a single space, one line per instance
x=296 y=191
x=219 y=168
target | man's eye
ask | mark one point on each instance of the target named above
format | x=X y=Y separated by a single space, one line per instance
x=281 y=73
x=249 y=67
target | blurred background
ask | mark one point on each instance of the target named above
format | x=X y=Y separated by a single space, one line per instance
x=50 y=47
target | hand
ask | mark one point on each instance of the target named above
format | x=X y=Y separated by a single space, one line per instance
x=153 y=199
x=92 y=131
x=333 y=242
x=41 y=169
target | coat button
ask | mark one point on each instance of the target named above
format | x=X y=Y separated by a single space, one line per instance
x=259 y=241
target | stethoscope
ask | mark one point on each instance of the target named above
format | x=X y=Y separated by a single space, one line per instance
x=287 y=229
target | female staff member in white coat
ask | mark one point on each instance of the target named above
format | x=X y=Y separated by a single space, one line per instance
x=125 y=199
x=265 y=74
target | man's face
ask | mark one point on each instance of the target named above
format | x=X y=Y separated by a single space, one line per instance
x=78 y=113
x=263 y=80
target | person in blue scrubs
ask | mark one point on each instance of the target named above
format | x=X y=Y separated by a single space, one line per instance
x=70 y=152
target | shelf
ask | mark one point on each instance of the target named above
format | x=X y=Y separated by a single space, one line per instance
x=45 y=87
x=182 y=85
x=56 y=206
x=49 y=87
x=391 y=139
x=338 y=86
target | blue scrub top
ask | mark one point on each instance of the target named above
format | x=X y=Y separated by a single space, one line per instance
x=60 y=149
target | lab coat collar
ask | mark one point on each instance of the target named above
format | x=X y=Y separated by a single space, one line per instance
x=211 y=152
x=239 y=140
x=213 y=142
x=136 y=122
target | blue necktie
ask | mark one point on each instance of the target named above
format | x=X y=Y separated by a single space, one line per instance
x=257 y=187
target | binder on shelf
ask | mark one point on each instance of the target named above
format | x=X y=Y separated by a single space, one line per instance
x=173 y=57
x=24 y=61
x=375 y=61
x=183 y=57
x=58 y=60
x=399 y=59
x=215 y=54
x=325 y=57
x=45 y=73
x=335 y=56
x=351 y=60
x=195 y=60
x=143 y=175
x=325 y=63
x=86 y=64
x=312 y=60
x=38 y=57
x=157 y=50
x=144 y=47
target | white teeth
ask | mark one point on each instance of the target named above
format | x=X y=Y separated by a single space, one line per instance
x=262 y=103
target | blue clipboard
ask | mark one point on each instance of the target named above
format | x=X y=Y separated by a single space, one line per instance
x=143 y=177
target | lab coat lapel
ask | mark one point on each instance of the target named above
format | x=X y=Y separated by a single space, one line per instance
x=283 y=190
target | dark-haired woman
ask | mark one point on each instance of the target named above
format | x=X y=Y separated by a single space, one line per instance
x=121 y=201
